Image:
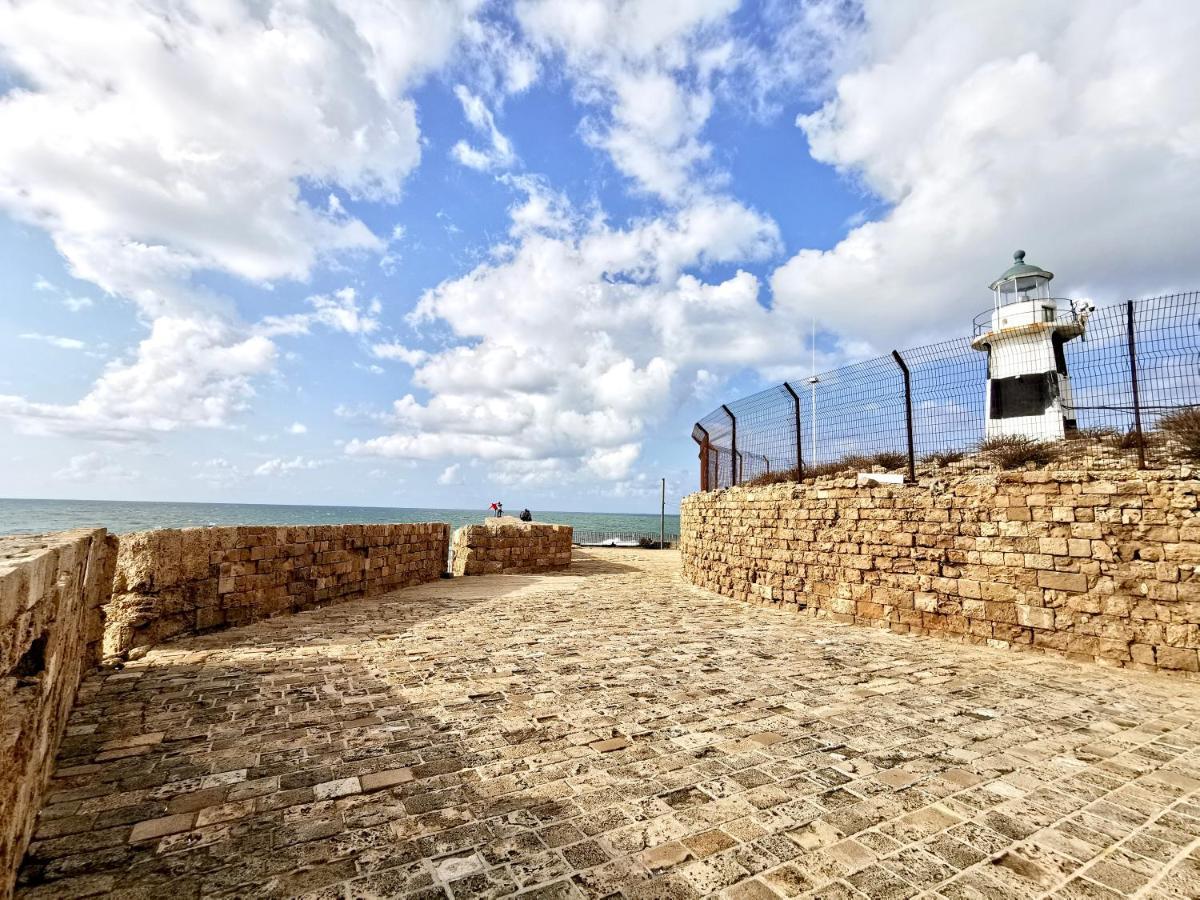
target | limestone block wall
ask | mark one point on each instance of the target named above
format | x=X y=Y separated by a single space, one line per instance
x=52 y=589
x=506 y=545
x=1097 y=566
x=178 y=581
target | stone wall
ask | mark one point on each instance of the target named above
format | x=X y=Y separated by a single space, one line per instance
x=171 y=581
x=507 y=545
x=52 y=588
x=1095 y=566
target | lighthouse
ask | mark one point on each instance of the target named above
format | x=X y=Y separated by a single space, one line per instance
x=1028 y=388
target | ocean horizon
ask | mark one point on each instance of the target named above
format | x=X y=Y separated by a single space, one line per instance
x=31 y=515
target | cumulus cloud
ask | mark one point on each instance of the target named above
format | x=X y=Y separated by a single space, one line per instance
x=578 y=338
x=217 y=471
x=451 y=475
x=154 y=141
x=1077 y=143
x=280 y=466
x=647 y=66
x=187 y=372
x=339 y=311
x=297 y=428
x=96 y=467
x=399 y=352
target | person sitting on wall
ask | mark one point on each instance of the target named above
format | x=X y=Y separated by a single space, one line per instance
x=526 y=515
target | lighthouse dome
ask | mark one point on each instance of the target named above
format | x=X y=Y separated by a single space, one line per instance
x=1019 y=272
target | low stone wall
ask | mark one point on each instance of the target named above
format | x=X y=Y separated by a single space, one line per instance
x=171 y=581
x=52 y=588
x=507 y=545
x=1095 y=566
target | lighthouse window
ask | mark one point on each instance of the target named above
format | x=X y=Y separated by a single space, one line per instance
x=1021 y=395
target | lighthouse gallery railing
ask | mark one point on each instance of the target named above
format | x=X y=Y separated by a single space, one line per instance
x=1137 y=362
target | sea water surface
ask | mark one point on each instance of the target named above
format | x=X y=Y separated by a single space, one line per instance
x=120 y=516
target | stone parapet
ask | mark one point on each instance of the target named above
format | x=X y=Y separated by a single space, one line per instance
x=180 y=581
x=506 y=545
x=1095 y=566
x=52 y=589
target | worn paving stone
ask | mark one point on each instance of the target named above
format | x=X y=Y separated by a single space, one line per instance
x=612 y=731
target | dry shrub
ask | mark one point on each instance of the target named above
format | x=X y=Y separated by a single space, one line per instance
x=944 y=457
x=1097 y=435
x=1131 y=439
x=864 y=462
x=889 y=459
x=1016 y=451
x=779 y=477
x=1183 y=426
x=822 y=469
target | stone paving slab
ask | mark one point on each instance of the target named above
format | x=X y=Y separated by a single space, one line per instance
x=613 y=732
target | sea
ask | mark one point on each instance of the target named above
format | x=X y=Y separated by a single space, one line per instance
x=121 y=516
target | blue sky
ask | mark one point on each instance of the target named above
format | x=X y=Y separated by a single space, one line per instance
x=436 y=254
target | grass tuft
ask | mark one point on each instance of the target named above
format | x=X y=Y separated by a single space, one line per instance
x=1183 y=426
x=1016 y=451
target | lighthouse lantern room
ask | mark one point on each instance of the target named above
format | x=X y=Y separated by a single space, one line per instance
x=1028 y=389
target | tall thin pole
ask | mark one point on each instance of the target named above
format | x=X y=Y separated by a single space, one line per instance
x=799 y=439
x=662 y=516
x=908 y=414
x=1137 y=406
x=733 y=451
x=814 y=381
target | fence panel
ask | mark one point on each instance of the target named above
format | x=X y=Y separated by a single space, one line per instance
x=857 y=414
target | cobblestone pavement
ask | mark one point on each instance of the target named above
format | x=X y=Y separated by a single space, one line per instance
x=612 y=731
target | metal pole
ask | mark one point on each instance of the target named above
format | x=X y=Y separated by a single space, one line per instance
x=1137 y=406
x=908 y=414
x=704 y=448
x=799 y=442
x=662 y=515
x=733 y=454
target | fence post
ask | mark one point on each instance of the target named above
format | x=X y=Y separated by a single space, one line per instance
x=703 y=457
x=733 y=451
x=1137 y=406
x=908 y=414
x=799 y=443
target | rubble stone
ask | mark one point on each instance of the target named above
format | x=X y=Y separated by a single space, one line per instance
x=505 y=545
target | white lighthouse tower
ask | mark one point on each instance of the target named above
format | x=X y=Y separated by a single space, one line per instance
x=1028 y=390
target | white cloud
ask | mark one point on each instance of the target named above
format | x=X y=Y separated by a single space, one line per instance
x=339 y=311
x=187 y=372
x=297 y=428
x=218 y=471
x=281 y=466
x=399 y=352
x=572 y=342
x=451 y=475
x=648 y=65
x=75 y=304
x=153 y=141
x=95 y=466
x=499 y=154
x=1078 y=143
x=63 y=343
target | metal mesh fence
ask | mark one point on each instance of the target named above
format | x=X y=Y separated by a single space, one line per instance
x=1095 y=385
